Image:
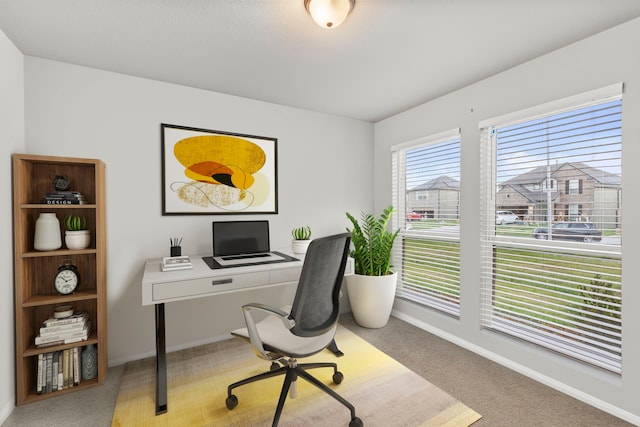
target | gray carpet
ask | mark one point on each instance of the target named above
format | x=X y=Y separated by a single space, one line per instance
x=503 y=397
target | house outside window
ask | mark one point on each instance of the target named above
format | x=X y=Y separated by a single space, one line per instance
x=554 y=277
x=426 y=185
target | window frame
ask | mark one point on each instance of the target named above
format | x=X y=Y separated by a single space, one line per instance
x=409 y=236
x=491 y=242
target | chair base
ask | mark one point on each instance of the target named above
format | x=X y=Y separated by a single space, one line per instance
x=292 y=371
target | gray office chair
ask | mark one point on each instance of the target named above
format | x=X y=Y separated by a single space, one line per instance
x=304 y=330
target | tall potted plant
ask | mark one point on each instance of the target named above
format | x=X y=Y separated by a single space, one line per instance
x=372 y=288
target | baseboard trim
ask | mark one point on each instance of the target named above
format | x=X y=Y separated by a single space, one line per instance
x=7 y=409
x=138 y=356
x=530 y=373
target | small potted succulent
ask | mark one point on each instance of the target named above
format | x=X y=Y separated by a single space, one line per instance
x=301 y=239
x=77 y=235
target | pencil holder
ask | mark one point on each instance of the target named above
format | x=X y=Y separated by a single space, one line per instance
x=176 y=250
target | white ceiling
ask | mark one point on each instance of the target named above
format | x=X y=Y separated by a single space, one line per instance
x=388 y=56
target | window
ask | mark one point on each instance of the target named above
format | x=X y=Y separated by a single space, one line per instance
x=426 y=180
x=554 y=279
x=574 y=186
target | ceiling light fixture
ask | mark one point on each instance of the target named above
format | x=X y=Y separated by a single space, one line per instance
x=329 y=13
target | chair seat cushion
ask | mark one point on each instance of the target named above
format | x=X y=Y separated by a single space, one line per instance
x=277 y=338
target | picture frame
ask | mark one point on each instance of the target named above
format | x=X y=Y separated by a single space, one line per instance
x=210 y=172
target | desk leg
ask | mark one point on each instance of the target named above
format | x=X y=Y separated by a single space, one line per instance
x=161 y=362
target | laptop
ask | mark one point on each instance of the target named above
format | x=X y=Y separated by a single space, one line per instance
x=243 y=243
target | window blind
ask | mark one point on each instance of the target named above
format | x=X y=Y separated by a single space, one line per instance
x=426 y=194
x=553 y=276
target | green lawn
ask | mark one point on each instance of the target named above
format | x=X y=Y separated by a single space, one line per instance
x=570 y=289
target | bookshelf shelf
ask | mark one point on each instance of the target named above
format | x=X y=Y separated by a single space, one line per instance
x=35 y=296
x=39 y=300
x=55 y=207
x=34 y=351
x=35 y=397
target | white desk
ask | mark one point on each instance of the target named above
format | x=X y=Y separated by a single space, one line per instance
x=160 y=287
x=167 y=286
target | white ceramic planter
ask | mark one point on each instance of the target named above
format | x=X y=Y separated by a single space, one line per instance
x=300 y=246
x=371 y=298
x=77 y=239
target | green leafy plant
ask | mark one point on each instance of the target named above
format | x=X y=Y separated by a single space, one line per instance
x=75 y=222
x=301 y=233
x=372 y=243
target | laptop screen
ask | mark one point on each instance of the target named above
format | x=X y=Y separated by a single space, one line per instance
x=240 y=237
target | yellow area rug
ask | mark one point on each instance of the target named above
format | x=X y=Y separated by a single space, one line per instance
x=384 y=392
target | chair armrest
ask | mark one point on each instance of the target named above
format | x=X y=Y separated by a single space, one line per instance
x=254 y=336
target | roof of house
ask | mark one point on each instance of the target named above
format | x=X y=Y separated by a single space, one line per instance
x=443 y=182
x=532 y=196
x=539 y=174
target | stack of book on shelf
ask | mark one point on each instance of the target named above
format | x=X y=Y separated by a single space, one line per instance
x=171 y=263
x=64 y=198
x=59 y=370
x=66 y=330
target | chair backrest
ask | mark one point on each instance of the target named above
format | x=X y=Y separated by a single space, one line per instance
x=316 y=306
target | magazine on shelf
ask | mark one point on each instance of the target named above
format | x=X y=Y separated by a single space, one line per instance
x=50 y=330
x=74 y=318
x=83 y=334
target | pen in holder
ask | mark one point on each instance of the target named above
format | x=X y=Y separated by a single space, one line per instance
x=176 y=248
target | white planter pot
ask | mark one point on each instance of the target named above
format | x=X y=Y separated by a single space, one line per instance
x=77 y=239
x=371 y=298
x=300 y=246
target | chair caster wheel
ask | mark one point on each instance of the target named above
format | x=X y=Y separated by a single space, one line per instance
x=274 y=366
x=232 y=401
x=356 y=422
x=338 y=377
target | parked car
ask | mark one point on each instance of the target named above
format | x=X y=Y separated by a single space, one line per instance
x=506 y=217
x=412 y=216
x=579 y=231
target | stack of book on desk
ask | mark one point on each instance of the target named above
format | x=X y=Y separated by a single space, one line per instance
x=171 y=263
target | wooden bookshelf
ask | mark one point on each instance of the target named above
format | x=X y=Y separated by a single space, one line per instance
x=35 y=296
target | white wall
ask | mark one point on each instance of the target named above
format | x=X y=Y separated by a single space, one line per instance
x=606 y=58
x=77 y=111
x=12 y=125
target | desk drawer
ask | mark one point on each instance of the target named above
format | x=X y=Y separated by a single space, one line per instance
x=209 y=285
x=286 y=275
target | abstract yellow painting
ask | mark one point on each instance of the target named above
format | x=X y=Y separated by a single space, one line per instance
x=213 y=172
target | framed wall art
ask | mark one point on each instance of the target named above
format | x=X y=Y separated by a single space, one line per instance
x=211 y=172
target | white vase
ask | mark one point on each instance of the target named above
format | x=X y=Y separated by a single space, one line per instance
x=300 y=246
x=371 y=298
x=77 y=239
x=47 y=234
